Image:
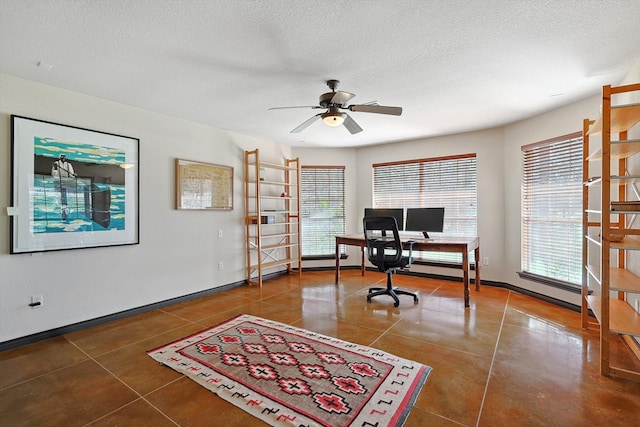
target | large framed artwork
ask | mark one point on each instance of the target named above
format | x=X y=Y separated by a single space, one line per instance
x=203 y=186
x=71 y=187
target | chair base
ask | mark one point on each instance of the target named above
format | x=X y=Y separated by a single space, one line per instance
x=392 y=291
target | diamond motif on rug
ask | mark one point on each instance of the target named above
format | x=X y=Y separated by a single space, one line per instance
x=290 y=376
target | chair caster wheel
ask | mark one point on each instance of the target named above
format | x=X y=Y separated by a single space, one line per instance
x=368 y=299
x=396 y=304
x=415 y=300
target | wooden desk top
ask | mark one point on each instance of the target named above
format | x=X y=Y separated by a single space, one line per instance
x=440 y=243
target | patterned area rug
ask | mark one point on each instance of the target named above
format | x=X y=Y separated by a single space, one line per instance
x=290 y=376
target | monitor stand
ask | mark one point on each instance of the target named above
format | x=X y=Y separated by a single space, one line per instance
x=425 y=234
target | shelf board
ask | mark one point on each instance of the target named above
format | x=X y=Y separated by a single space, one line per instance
x=594 y=239
x=280 y=183
x=593 y=181
x=278 y=197
x=623 y=117
x=278 y=223
x=622 y=317
x=623 y=280
x=253 y=215
x=275 y=263
x=629 y=243
x=619 y=278
x=275 y=166
x=624 y=149
x=274 y=235
x=624 y=179
x=278 y=246
x=619 y=150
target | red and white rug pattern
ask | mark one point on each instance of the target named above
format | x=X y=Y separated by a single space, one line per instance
x=290 y=376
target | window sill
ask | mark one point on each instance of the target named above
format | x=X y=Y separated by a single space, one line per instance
x=559 y=284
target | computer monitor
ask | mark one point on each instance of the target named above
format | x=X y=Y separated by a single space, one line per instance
x=425 y=220
x=397 y=213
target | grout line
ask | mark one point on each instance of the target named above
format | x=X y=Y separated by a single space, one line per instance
x=140 y=396
x=132 y=342
x=44 y=374
x=493 y=359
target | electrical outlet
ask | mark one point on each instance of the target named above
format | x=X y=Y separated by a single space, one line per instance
x=220 y=266
x=36 y=301
x=220 y=233
x=485 y=260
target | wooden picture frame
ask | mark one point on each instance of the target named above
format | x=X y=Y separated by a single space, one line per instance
x=203 y=186
x=71 y=188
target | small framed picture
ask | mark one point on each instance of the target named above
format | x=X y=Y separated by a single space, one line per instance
x=203 y=186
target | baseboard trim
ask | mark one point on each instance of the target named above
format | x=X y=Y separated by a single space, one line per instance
x=40 y=336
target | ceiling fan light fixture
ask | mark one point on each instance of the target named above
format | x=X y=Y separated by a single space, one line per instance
x=333 y=118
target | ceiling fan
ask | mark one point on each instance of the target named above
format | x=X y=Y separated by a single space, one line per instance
x=335 y=101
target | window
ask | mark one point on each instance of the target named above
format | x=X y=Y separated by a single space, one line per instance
x=444 y=181
x=322 y=209
x=552 y=211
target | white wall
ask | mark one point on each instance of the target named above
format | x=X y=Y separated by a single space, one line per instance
x=487 y=145
x=178 y=252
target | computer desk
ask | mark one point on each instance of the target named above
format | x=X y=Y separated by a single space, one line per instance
x=463 y=245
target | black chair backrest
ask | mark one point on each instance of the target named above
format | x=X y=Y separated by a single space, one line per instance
x=384 y=247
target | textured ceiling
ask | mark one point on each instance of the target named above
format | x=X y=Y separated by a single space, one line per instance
x=453 y=66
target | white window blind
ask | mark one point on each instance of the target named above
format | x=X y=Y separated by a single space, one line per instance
x=322 y=208
x=552 y=209
x=450 y=182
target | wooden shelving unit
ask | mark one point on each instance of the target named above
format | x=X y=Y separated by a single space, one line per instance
x=272 y=216
x=607 y=285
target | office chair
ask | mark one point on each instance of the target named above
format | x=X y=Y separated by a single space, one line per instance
x=385 y=252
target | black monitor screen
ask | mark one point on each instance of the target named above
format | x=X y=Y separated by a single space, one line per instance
x=397 y=213
x=425 y=220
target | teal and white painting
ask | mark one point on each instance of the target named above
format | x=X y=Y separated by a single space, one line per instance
x=93 y=200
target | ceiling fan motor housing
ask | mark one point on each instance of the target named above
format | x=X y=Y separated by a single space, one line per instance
x=325 y=99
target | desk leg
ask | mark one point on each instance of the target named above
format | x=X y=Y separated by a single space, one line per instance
x=465 y=274
x=477 y=254
x=362 y=269
x=337 y=262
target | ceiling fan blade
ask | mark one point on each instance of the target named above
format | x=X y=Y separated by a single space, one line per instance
x=297 y=106
x=351 y=125
x=341 y=97
x=379 y=109
x=306 y=124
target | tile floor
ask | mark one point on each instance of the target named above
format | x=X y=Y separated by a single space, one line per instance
x=508 y=360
